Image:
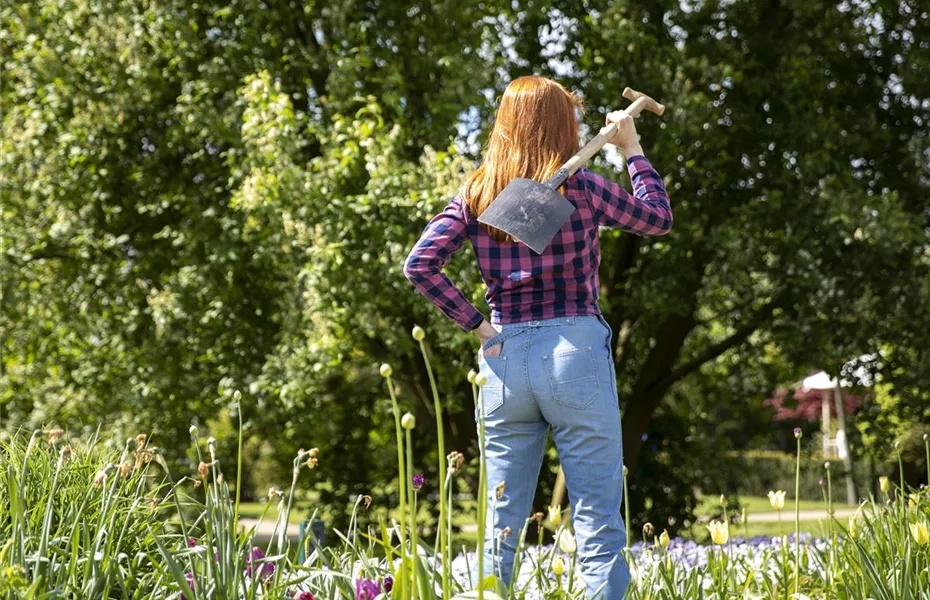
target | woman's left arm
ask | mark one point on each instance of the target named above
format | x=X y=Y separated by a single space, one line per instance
x=442 y=238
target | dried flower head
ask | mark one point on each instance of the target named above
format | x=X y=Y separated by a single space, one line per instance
x=203 y=469
x=274 y=492
x=100 y=478
x=54 y=434
x=124 y=470
x=366 y=500
x=455 y=461
x=140 y=441
x=505 y=532
x=649 y=530
x=499 y=490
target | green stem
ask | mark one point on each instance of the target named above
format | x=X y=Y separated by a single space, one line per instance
x=927 y=450
x=413 y=518
x=626 y=506
x=443 y=538
x=238 y=465
x=482 y=490
x=797 y=519
x=402 y=472
x=832 y=533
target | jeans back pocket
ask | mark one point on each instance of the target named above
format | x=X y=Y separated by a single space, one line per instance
x=492 y=392
x=573 y=377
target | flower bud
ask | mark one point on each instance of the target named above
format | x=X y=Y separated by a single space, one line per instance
x=192 y=430
x=558 y=567
x=472 y=376
x=386 y=370
x=237 y=395
x=926 y=437
x=884 y=484
x=797 y=433
x=418 y=333
x=664 y=539
x=408 y=421
x=566 y=542
x=481 y=380
x=826 y=465
x=625 y=471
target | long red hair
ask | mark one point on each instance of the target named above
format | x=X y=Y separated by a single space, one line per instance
x=535 y=132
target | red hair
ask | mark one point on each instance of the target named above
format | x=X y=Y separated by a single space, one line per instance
x=535 y=132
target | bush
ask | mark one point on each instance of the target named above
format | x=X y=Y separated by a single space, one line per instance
x=756 y=472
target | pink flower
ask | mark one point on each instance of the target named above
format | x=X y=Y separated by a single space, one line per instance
x=304 y=596
x=264 y=570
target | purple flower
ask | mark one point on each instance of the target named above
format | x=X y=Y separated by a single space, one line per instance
x=191 y=542
x=418 y=481
x=190 y=582
x=264 y=570
x=304 y=596
x=797 y=433
x=366 y=589
x=388 y=583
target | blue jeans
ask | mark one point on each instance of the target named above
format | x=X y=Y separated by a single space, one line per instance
x=559 y=373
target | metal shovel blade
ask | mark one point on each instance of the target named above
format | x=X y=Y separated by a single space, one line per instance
x=531 y=212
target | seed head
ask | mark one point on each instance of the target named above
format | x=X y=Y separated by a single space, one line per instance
x=418 y=333
x=386 y=370
x=408 y=421
x=124 y=470
x=500 y=489
x=140 y=441
x=203 y=469
x=455 y=461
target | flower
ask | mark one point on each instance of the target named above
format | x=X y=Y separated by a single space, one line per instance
x=100 y=478
x=304 y=596
x=777 y=499
x=418 y=481
x=191 y=542
x=54 y=434
x=555 y=515
x=264 y=570
x=472 y=376
x=312 y=461
x=920 y=533
x=386 y=370
x=567 y=542
x=884 y=484
x=664 y=539
x=913 y=500
x=853 y=525
x=719 y=532
x=190 y=581
x=203 y=469
x=387 y=583
x=418 y=333
x=366 y=589
x=558 y=566
x=797 y=433
x=408 y=421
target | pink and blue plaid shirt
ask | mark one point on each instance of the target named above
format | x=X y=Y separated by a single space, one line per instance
x=560 y=282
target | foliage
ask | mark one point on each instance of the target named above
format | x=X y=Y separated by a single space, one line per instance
x=199 y=198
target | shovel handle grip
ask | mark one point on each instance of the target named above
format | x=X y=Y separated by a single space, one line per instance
x=640 y=103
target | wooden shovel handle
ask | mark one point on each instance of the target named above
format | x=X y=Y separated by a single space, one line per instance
x=641 y=102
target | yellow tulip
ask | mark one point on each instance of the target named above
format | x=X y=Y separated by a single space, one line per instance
x=567 y=542
x=884 y=484
x=719 y=532
x=913 y=500
x=555 y=515
x=777 y=499
x=664 y=539
x=558 y=567
x=853 y=526
x=920 y=533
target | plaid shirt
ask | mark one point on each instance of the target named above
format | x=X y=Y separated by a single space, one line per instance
x=523 y=285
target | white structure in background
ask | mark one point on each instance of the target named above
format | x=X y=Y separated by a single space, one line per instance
x=831 y=389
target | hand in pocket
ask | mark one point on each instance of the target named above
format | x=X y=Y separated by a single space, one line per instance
x=494 y=350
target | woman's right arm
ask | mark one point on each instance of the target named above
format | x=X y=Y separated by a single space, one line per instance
x=647 y=211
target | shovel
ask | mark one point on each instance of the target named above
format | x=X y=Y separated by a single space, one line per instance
x=532 y=212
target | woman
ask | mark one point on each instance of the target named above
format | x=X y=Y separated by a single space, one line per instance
x=546 y=354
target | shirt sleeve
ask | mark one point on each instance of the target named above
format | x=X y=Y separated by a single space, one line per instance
x=646 y=212
x=443 y=236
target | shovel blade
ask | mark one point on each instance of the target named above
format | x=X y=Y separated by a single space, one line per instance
x=529 y=211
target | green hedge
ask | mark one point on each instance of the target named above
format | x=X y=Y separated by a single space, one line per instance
x=757 y=472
